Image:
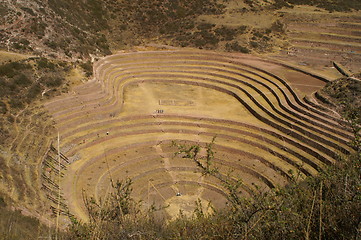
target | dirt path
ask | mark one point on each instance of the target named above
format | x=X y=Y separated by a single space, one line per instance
x=167 y=166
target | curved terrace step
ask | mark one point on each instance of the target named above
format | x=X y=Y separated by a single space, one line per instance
x=281 y=134
x=309 y=115
x=252 y=99
x=246 y=130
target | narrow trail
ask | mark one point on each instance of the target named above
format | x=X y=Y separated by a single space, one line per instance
x=16 y=126
x=167 y=166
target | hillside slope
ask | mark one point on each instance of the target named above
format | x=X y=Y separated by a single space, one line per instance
x=56 y=38
x=61 y=29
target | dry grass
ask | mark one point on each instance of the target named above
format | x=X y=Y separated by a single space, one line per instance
x=112 y=134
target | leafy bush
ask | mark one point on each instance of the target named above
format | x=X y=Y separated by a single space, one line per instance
x=254 y=44
x=24 y=41
x=22 y=80
x=28 y=10
x=3 y=108
x=330 y=5
x=226 y=34
x=51 y=44
x=38 y=27
x=278 y=27
x=116 y=216
x=235 y=47
x=88 y=68
x=2 y=201
x=16 y=103
x=17 y=46
x=21 y=84
x=204 y=38
x=52 y=81
x=10 y=69
x=258 y=34
x=33 y=92
x=45 y=63
x=346 y=94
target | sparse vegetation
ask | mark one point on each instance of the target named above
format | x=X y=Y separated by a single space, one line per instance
x=346 y=94
x=333 y=199
x=338 y=5
x=236 y=47
x=75 y=30
x=22 y=84
x=116 y=216
x=87 y=67
x=14 y=225
x=110 y=24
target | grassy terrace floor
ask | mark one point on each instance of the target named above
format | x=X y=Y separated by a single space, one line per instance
x=318 y=37
x=122 y=124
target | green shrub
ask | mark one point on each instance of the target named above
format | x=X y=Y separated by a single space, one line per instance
x=24 y=41
x=52 y=81
x=10 y=69
x=38 y=27
x=258 y=34
x=3 y=108
x=205 y=26
x=235 y=47
x=254 y=44
x=33 y=92
x=22 y=80
x=45 y=63
x=51 y=44
x=278 y=27
x=88 y=68
x=2 y=202
x=226 y=34
x=116 y=216
x=28 y=10
x=242 y=29
x=16 y=103
x=7 y=70
x=17 y=46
